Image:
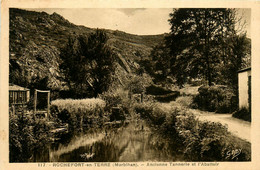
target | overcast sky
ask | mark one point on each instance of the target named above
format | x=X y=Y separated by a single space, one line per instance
x=141 y=21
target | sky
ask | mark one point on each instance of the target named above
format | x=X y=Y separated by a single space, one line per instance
x=140 y=21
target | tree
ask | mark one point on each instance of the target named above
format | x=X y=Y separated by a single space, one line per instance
x=239 y=57
x=88 y=63
x=197 y=42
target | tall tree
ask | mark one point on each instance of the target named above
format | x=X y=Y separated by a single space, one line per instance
x=197 y=40
x=158 y=65
x=88 y=63
x=239 y=56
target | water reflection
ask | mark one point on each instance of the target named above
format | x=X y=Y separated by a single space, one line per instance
x=131 y=143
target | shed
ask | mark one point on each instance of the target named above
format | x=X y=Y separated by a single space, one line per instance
x=244 y=88
x=18 y=95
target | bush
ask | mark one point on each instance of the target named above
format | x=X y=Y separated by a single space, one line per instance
x=209 y=141
x=26 y=135
x=137 y=84
x=144 y=109
x=243 y=113
x=151 y=112
x=185 y=101
x=215 y=99
x=196 y=140
x=77 y=112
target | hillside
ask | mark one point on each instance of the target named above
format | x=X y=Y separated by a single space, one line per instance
x=36 y=39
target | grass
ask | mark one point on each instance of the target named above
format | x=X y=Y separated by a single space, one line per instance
x=79 y=112
x=85 y=106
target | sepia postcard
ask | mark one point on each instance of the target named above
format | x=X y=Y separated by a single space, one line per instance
x=129 y=84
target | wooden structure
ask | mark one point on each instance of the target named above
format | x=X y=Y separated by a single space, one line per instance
x=18 y=98
x=48 y=102
x=244 y=88
x=18 y=95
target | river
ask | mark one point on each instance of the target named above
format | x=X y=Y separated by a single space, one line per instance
x=129 y=143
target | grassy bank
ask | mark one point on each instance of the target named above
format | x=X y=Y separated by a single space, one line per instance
x=196 y=140
x=79 y=112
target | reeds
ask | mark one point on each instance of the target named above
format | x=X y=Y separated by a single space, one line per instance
x=79 y=106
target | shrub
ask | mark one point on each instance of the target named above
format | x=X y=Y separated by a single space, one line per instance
x=117 y=98
x=76 y=112
x=151 y=112
x=185 y=101
x=25 y=135
x=243 y=113
x=144 y=109
x=209 y=141
x=137 y=84
x=196 y=140
x=215 y=99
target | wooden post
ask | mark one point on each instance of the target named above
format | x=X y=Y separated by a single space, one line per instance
x=48 y=105
x=35 y=102
x=13 y=109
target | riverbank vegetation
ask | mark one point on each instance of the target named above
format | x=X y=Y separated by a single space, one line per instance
x=79 y=112
x=197 y=140
x=27 y=135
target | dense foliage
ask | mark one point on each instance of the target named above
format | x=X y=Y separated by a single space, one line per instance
x=158 y=65
x=196 y=41
x=25 y=136
x=196 y=140
x=203 y=44
x=88 y=63
x=218 y=99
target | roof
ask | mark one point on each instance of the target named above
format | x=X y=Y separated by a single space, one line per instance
x=14 y=87
x=244 y=69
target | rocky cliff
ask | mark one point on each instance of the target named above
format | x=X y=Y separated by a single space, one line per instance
x=36 y=39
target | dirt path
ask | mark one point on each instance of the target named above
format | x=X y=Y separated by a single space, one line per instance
x=238 y=127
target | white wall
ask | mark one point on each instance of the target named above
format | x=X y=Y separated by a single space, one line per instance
x=243 y=88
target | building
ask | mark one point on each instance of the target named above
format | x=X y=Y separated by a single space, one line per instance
x=244 y=88
x=18 y=95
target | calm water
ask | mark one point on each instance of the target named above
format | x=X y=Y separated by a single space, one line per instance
x=132 y=142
